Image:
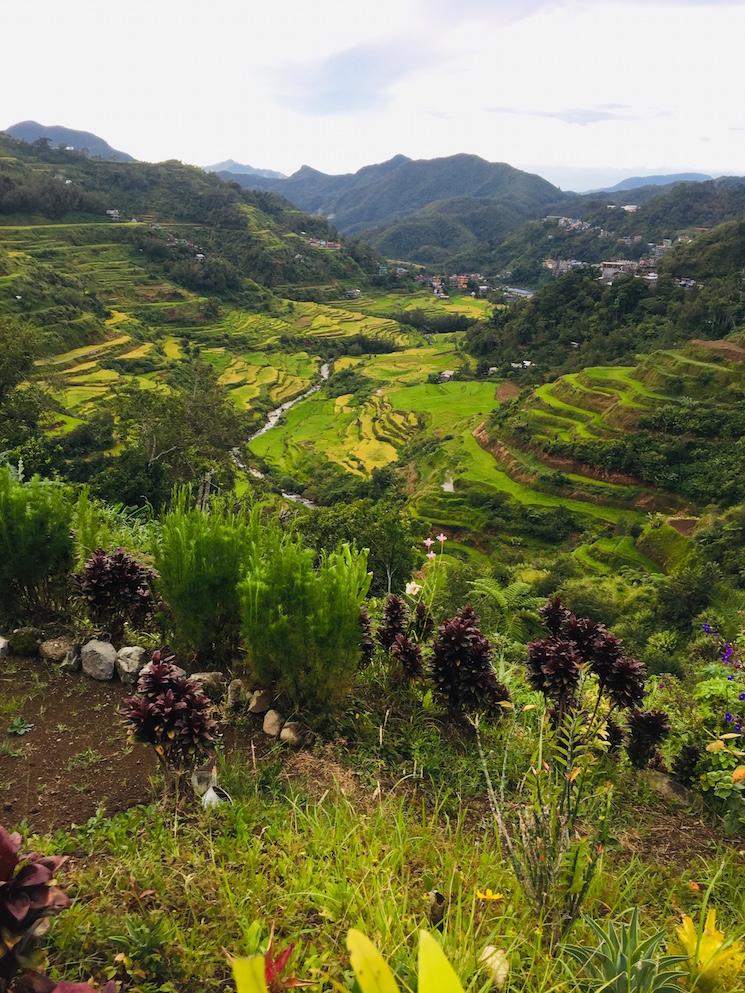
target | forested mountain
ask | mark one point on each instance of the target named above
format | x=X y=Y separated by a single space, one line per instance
x=466 y=213
x=576 y=321
x=80 y=141
x=383 y=194
x=256 y=234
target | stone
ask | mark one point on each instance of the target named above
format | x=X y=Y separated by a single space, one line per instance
x=55 y=650
x=294 y=733
x=261 y=701
x=71 y=661
x=4 y=648
x=130 y=661
x=214 y=684
x=98 y=659
x=238 y=695
x=26 y=641
x=273 y=722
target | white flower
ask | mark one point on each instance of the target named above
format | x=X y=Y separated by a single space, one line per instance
x=412 y=589
x=497 y=965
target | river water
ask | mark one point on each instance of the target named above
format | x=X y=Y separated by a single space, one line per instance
x=272 y=419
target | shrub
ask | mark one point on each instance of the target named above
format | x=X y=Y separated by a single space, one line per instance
x=461 y=668
x=172 y=713
x=301 y=622
x=558 y=666
x=115 y=590
x=200 y=557
x=35 y=541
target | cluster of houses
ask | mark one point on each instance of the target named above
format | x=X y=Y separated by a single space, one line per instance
x=458 y=281
x=331 y=246
x=576 y=224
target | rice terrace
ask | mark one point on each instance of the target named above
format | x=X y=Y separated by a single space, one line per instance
x=372 y=540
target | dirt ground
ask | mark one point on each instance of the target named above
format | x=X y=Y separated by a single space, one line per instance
x=74 y=757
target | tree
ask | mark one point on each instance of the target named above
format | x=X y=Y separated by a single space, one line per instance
x=384 y=528
x=184 y=434
x=20 y=409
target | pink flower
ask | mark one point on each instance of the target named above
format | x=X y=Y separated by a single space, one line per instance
x=442 y=537
x=429 y=542
x=431 y=555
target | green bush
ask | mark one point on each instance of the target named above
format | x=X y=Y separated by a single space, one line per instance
x=36 y=546
x=200 y=557
x=300 y=621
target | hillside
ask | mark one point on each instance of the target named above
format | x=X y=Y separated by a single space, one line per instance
x=462 y=212
x=576 y=320
x=57 y=136
x=420 y=209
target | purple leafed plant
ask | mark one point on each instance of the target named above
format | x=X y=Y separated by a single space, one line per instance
x=172 y=713
x=408 y=654
x=28 y=895
x=461 y=667
x=116 y=589
x=395 y=621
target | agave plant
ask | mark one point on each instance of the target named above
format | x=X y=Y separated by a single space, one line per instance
x=28 y=896
x=623 y=962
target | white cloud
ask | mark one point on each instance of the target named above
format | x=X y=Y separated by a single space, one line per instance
x=581 y=84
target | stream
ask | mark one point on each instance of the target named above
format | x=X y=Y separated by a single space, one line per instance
x=272 y=419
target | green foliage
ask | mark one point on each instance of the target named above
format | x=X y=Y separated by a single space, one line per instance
x=36 y=547
x=200 y=557
x=624 y=962
x=301 y=620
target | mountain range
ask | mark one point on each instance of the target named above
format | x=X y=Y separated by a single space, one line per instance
x=634 y=182
x=458 y=211
x=80 y=141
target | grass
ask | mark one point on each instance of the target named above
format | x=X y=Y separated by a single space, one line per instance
x=351 y=837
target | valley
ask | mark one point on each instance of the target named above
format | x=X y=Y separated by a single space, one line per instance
x=347 y=587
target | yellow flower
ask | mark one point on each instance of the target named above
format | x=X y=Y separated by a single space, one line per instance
x=489 y=895
x=712 y=960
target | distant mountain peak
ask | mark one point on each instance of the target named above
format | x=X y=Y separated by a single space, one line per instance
x=57 y=135
x=636 y=182
x=240 y=169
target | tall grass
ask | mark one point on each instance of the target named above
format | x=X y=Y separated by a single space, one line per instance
x=101 y=525
x=201 y=556
x=300 y=621
x=36 y=547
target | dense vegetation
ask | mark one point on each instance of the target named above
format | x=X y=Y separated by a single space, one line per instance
x=576 y=321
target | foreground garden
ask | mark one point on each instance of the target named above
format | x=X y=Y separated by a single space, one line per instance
x=507 y=789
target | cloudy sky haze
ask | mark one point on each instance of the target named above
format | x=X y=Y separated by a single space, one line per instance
x=582 y=91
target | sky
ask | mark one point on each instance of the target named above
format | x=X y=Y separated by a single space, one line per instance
x=584 y=92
